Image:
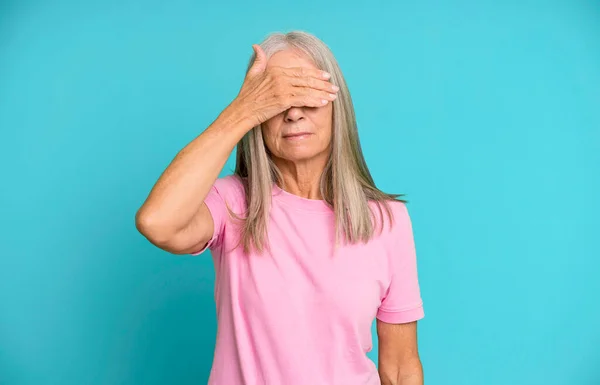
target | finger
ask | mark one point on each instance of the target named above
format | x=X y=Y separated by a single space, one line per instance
x=310 y=82
x=260 y=61
x=302 y=72
x=311 y=98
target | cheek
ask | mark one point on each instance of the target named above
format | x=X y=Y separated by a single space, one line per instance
x=323 y=120
x=272 y=140
x=324 y=115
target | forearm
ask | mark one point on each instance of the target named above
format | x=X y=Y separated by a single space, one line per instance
x=413 y=379
x=408 y=375
x=182 y=187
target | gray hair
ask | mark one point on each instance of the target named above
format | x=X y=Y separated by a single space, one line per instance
x=346 y=183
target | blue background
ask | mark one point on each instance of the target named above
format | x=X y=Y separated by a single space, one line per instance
x=485 y=113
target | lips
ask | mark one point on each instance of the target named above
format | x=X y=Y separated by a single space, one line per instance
x=296 y=134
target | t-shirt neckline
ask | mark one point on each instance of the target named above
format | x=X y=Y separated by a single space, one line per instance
x=298 y=202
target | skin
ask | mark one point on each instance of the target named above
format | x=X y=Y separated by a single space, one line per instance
x=301 y=159
x=174 y=217
x=399 y=362
x=289 y=95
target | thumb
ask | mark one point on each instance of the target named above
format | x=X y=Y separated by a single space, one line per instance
x=260 y=61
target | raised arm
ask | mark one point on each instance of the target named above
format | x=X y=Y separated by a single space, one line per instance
x=174 y=216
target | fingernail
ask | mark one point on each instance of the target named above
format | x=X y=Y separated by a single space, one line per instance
x=326 y=75
x=335 y=88
x=324 y=101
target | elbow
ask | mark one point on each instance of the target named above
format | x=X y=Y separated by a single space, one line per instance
x=151 y=227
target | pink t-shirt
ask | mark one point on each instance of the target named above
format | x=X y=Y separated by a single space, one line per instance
x=302 y=314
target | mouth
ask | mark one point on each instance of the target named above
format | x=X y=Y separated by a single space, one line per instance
x=297 y=136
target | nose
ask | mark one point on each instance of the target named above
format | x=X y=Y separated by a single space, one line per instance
x=294 y=114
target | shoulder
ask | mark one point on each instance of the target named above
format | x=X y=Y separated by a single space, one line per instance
x=399 y=222
x=402 y=221
x=400 y=210
x=231 y=183
x=231 y=189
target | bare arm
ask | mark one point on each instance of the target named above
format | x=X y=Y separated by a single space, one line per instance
x=174 y=216
x=399 y=362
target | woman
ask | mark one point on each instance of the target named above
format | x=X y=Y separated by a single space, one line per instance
x=307 y=251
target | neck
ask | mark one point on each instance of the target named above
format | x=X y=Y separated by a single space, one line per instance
x=302 y=178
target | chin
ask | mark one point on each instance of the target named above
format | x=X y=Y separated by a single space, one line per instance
x=300 y=154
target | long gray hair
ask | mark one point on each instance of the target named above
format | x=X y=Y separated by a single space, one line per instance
x=346 y=183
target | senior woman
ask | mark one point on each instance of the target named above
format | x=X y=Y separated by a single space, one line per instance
x=307 y=251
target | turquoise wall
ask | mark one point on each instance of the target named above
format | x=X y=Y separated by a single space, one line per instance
x=486 y=113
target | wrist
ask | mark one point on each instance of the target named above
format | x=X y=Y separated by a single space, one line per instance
x=239 y=115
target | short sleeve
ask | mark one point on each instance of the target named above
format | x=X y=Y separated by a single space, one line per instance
x=402 y=301
x=226 y=191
